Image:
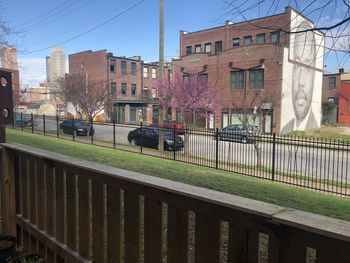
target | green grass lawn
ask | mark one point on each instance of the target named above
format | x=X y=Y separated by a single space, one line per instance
x=326 y=132
x=245 y=186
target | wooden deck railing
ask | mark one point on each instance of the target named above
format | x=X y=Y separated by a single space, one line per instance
x=72 y=210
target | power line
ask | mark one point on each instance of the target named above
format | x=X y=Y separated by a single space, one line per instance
x=53 y=18
x=47 y=13
x=90 y=30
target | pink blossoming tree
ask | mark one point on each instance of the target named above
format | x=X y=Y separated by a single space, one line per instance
x=190 y=95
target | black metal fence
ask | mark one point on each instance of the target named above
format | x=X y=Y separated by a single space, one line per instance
x=318 y=164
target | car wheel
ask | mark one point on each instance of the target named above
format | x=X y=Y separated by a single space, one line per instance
x=61 y=131
x=133 y=142
x=244 y=139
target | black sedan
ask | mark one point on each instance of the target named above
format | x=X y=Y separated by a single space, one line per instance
x=80 y=128
x=150 y=136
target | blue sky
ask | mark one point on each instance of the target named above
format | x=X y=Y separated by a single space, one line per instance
x=45 y=23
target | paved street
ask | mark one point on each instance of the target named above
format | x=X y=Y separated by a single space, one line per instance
x=312 y=162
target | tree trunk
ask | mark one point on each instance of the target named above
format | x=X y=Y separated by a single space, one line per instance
x=257 y=148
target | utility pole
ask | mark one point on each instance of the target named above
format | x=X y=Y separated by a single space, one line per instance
x=161 y=71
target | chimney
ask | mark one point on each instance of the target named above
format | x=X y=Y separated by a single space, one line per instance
x=341 y=70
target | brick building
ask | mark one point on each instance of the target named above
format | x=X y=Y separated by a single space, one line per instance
x=330 y=94
x=258 y=65
x=344 y=100
x=130 y=80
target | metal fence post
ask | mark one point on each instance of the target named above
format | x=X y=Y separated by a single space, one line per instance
x=141 y=149
x=44 y=125
x=32 y=121
x=73 y=126
x=57 y=126
x=21 y=121
x=217 y=148
x=273 y=155
x=174 y=143
x=114 y=134
x=91 y=128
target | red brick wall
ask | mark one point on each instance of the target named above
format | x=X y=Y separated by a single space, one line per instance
x=326 y=91
x=227 y=32
x=344 y=104
x=218 y=70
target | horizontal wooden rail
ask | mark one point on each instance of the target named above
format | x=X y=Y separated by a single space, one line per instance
x=73 y=210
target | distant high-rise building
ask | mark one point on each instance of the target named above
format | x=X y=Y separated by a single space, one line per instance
x=48 y=69
x=9 y=57
x=55 y=65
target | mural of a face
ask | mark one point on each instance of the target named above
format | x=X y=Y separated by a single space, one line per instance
x=303 y=76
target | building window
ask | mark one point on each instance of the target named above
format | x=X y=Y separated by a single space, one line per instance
x=133 y=68
x=124 y=89
x=198 y=48
x=154 y=73
x=188 y=50
x=207 y=47
x=275 y=37
x=114 y=89
x=256 y=79
x=248 y=40
x=237 y=80
x=332 y=81
x=123 y=66
x=260 y=39
x=145 y=72
x=112 y=65
x=133 y=89
x=218 y=47
x=235 y=42
x=133 y=113
x=331 y=100
x=81 y=65
x=203 y=78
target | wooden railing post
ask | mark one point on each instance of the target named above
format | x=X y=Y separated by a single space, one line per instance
x=8 y=196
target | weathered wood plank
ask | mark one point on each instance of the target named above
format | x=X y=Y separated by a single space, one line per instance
x=253 y=246
x=84 y=217
x=50 y=256
x=42 y=249
x=53 y=247
x=33 y=244
x=71 y=211
x=237 y=244
x=41 y=195
x=24 y=186
x=113 y=224
x=32 y=192
x=59 y=216
x=153 y=231
x=207 y=244
x=98 y=237
x=25 y=241
x=177 y=234
x=50 y=213
x=8 y=194
x=132 y=226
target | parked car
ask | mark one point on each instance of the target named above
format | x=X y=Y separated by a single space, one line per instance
x=179 y=127
x=150 y=137
x=80 y=128
x=238 y=133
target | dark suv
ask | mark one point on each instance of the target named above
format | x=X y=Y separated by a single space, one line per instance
x=238 y=133
x=150 y=137
x=80 y=128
